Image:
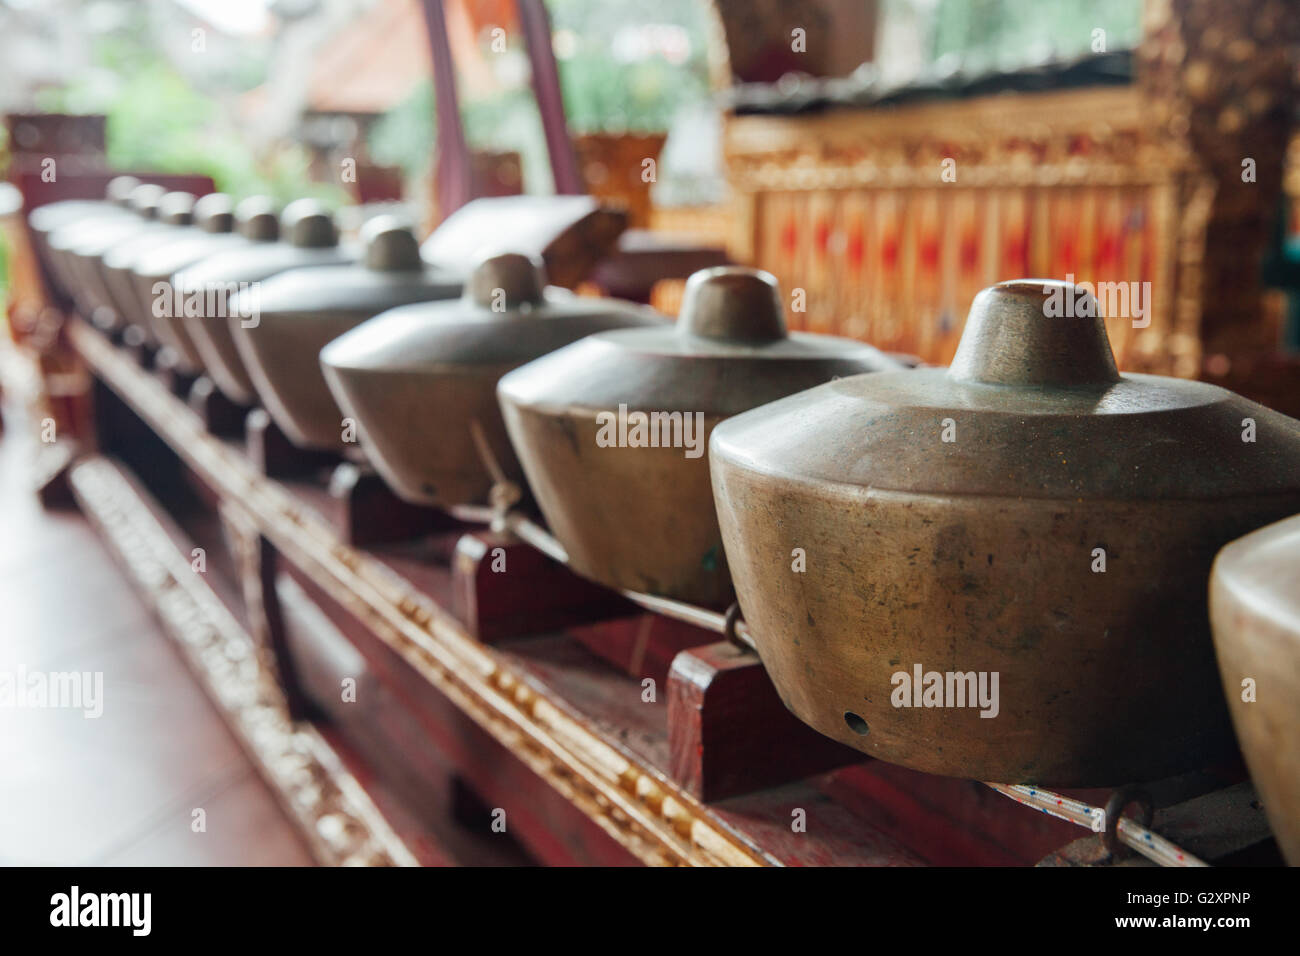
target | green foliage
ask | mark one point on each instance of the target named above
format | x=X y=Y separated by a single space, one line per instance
x=605 y=94
x=601 y=94
x=506 y=121
x=158 y=122
x=406 y=134
x=510 y=122
x=1009 y=32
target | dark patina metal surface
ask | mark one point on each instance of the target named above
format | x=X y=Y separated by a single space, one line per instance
x=303 y=310
x=421 y=380
x=979 y=554
x=642 y=518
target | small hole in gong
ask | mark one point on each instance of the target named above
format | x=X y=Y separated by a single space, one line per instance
x=856 y=723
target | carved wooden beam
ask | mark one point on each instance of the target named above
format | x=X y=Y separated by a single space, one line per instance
x=1219 y=83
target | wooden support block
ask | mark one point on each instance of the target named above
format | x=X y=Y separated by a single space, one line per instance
x=220 y=415
x=361 y=507
x=274 y=455
x=369 y=513
x=178 y=381
x=503 y=588
x=729 y=733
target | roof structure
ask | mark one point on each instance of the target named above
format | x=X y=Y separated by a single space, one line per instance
x=373 y=63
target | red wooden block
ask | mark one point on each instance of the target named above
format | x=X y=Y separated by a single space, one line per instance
x=351 y=496
x=368 y=512
x=729 y=733
x=502 y=588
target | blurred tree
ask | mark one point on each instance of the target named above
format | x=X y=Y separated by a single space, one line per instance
x=1010 y=33
x=632 y=64
x=625 y=65
x=172 y=108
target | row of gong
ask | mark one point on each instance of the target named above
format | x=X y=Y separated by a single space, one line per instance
x=1028 y=512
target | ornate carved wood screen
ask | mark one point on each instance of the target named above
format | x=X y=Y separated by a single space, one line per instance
x=883 y=225
x=1133 y=184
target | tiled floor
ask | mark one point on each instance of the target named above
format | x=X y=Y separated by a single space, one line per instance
x=122 y=788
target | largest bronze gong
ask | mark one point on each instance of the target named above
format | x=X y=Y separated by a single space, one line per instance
x=998 y=571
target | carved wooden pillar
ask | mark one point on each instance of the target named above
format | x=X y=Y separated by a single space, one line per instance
x=1219 y=80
